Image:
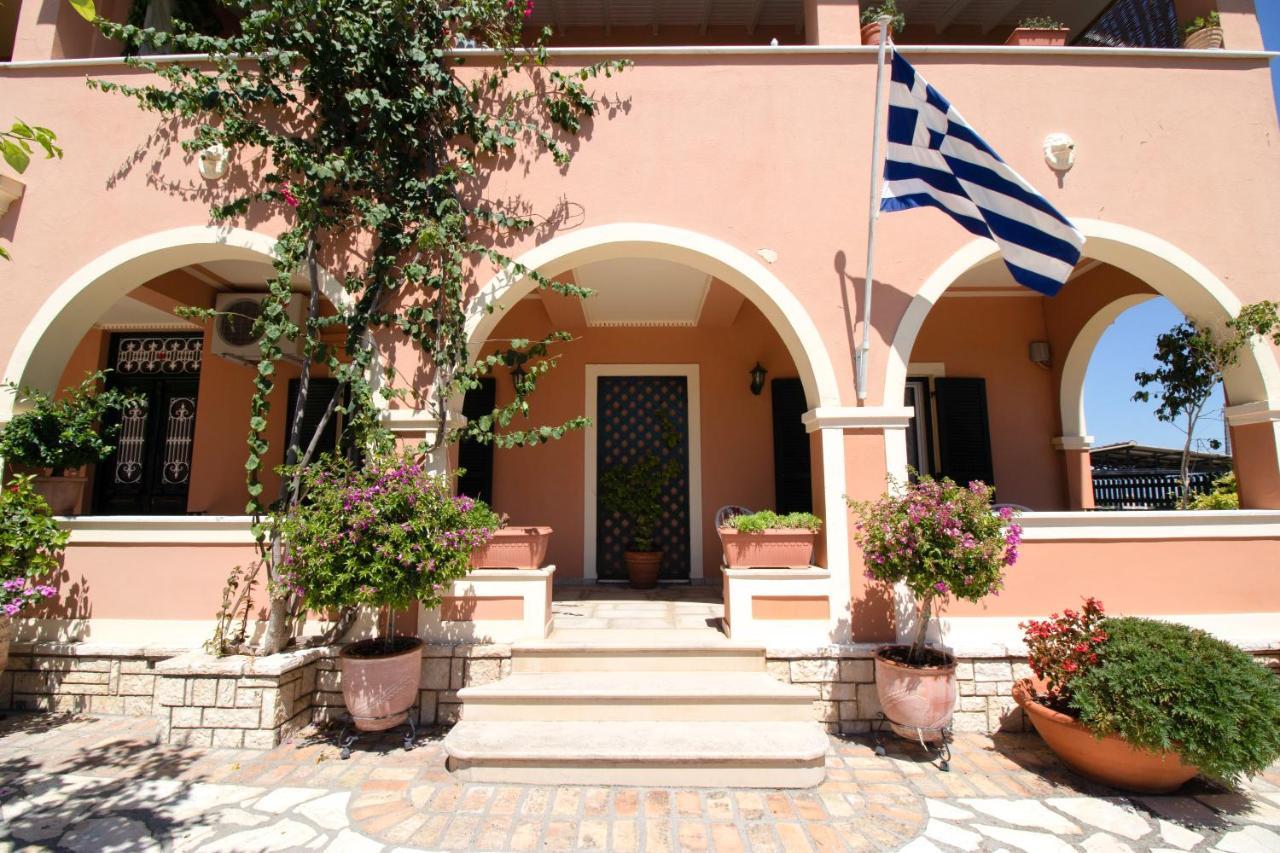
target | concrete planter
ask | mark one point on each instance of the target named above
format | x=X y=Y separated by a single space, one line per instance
x=513 y=548
x=1027 y=37
x=768 y=549
x=378 y=689
x=918 y=700
x=1210 y=38
x=63 y=494
x=1110 y=760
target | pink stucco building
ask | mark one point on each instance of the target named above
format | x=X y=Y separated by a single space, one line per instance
x=721 y=213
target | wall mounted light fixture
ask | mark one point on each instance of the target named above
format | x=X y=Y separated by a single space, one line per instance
x=212 y=162
x=757 y=379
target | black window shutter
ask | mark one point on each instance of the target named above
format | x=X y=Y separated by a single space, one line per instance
x=319 y=392
x=476 y=458
x=964 y=434
x=792 y=477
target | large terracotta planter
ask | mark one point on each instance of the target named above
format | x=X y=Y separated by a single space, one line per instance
x=1027 y=37
x=871 y=33
x=513 y=548
x=768 y=548
x=1110 y=760
x=1210 y=38
x=61 y=493
x=6 y=637
x=379 y=690
x=918 y=700
x=643 y=568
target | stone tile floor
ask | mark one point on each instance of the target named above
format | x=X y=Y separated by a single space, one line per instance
x=80 y=783
x=600 y=607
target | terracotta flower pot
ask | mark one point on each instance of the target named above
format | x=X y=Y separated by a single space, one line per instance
x=918 y=700
x=6 y=637
x=513 y=548
x=62 y=493
x=379 y=689
x=1210 y=38
x=1110 y=760
x=643 y=568
x=871 y=33
x=1028 y=37
x=767 y=548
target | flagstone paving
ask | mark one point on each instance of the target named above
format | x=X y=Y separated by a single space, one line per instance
x=81 y=783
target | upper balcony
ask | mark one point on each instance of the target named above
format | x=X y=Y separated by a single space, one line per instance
x=43 y=30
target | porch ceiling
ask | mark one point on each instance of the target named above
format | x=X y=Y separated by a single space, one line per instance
x=987 y=15
x=643 y=292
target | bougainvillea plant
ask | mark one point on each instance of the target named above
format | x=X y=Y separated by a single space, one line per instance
x=30 y=545
x=1064 y=646
x=941 y=540
x=361 y=126
x=385 y=535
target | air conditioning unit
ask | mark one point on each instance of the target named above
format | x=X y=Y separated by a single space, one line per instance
x=234 y=336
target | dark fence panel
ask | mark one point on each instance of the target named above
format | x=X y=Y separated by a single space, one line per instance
x=1144 y=489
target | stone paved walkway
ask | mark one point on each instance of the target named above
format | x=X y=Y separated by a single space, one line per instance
x=84 y=784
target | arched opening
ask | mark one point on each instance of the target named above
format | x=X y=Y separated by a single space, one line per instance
x=1011 y=367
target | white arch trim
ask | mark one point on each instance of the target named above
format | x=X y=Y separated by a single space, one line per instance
x=644 y=240
x=1076 y=364
x=47 y=341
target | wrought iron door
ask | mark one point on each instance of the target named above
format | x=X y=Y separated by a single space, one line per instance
x=150 y=471
x=633 y=415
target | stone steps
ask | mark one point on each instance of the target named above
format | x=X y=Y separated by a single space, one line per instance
x=605 y=655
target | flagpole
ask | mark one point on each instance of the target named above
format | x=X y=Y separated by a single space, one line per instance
x=864 y=349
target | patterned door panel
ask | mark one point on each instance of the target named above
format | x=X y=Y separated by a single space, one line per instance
x=630 y=423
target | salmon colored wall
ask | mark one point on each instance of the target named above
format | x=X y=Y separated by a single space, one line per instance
x=871 y=605
x=1150 y=577
x=544 y=485
x=988 y=337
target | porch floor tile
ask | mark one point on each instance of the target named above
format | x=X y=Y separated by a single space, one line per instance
x=609 y=607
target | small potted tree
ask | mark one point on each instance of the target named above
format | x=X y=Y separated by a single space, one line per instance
x=634 y=490
x=61 y=435
x=1038 y=32
x=1203 y=33
x=1145 y=705
x=940 y=540
x=871 y=20
x=30 y=546
x=768 y=540
x=383 y=536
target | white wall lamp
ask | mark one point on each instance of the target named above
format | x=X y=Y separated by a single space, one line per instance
x=212 y=162
x=1038 y=352
x=1060 y=152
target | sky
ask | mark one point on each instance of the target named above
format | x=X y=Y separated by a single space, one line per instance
x=1127 y=347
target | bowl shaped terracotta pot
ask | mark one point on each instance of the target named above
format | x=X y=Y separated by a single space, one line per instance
x=379 y=689
x=643 y=568
x=918 y=700
x=767 y=548
x=63 y=494
x=871 y=33
x=1110 y=759
x=513 y=548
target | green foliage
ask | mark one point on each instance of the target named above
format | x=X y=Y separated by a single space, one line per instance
x=872 y=13
x=1191 y=360
x=938 y=538
x=30 y=545
x=1223 y=495
x=16 y=144
x=769 y=520
x=64 y=432
x=389 y=534
x=1164 y=686
x=1041 y=22
x=1213 y=19
x=634 y=489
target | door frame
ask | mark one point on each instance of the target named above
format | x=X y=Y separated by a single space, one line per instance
x=590 y=476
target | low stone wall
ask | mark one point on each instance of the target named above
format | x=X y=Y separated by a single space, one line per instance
x=80 y=677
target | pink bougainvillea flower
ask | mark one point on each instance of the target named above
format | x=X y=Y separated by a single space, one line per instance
x=289 y=198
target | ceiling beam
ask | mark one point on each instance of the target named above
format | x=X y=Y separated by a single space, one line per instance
x=608 y=17
x=950 y=14
x=757 y=9
x=999 y=14
x=706 y=17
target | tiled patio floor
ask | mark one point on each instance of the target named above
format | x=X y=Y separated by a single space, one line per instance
x=690 y=607
x=85 y=784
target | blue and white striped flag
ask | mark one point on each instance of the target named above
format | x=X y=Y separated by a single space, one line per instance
x=935 y=158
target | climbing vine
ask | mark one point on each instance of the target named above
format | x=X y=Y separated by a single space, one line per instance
x=360 y=124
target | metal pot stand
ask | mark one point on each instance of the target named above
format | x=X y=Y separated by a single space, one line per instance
x=935 y=741
x=350 y=735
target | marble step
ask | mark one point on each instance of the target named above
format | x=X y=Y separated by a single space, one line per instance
x=652 y=651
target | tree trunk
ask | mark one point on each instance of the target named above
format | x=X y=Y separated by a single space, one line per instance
x=915 y=656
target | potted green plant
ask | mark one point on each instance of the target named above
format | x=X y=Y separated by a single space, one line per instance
x=30 y=546
x=1145 y=705
x=940 y=540
x=767 y=540
x=386 y=536
x=871 y=20
x=634 y=490
x=62 y=434
x=1039 y=31
x=513 y=547
x=1203 y=33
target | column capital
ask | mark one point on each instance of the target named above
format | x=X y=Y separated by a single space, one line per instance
x=1073 y=442
x=1244 y=414
x=857 y=417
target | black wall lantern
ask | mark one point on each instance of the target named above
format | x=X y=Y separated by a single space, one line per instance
x=757 y=379
x=518 y=373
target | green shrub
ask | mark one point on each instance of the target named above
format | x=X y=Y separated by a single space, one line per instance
x=30 y=544
x=770 y=520
x=62 y=433
x=1164 y=686
x=1041 y=22
x=887 y=7
x=1223 y=495
x=1213 y=19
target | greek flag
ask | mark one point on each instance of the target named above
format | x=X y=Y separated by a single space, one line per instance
x=935 y=158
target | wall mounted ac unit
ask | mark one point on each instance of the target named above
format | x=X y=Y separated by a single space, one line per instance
x=233 y=332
